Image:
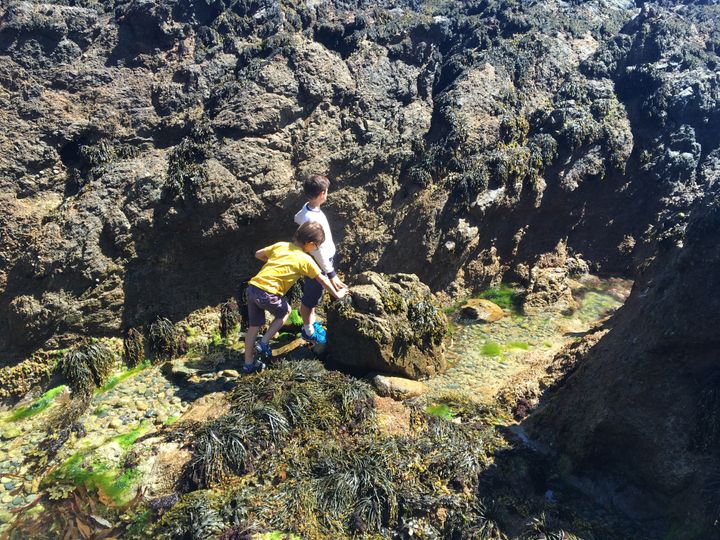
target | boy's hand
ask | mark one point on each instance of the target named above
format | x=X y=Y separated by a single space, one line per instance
x=342 y=293
x=337 y=283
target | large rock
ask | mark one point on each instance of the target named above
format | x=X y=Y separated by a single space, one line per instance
x=644 y=404
x=389 y=324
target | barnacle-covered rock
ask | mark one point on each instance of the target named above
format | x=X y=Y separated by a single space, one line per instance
x=390 y=323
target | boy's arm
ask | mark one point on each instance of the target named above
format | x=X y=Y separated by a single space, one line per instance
x=325 y=282
x=263 y=254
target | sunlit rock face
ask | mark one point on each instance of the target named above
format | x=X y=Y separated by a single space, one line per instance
x=391 y=324
x=148 y=150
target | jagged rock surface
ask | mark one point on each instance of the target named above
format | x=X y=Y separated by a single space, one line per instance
x=390 y=324
x=147 y=149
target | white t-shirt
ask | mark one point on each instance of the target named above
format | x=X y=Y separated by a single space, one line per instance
x=325 y=253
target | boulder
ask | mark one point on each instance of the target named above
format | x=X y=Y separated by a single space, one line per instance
x=479 y=309
x=390 y=323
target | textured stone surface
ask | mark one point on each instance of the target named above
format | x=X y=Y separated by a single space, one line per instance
x=390 y=324
x=479 y=309
x=643 y=403
x=147 y=149
x=398 y=387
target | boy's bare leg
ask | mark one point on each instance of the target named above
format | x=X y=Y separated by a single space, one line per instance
x=274 y=328
x=307 y=314
x=250 y=336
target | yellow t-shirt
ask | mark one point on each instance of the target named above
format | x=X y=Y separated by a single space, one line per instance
x=286 y=264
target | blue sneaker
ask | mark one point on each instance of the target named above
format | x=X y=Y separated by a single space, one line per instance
x=319 y=329
x=263 y=350
x=316 y=338
x=253 y=367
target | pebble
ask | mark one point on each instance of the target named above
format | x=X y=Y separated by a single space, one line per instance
x=141 y=405
x=8 y=485
x=7 y=498
x=116 y=423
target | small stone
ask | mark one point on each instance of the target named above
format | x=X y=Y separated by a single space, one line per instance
x=149 y=393
x=5 y=517
x=8 y=485
x=7 y=498
x=398 y=387
x=17 y=501
x=176 y=400
x=141 y=405
x=116 y=423
x=231 y=374
x=479 y=309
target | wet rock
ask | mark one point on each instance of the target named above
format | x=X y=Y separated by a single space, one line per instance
x=398 y=388
x=479 y=309
x=390 y=324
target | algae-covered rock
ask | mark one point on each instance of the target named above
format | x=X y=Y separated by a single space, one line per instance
x=479 y=309
x=390 y=323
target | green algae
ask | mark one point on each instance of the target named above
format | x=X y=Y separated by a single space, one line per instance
x=117 y=379
x=491 y=349
x=294 y=319
x=127 y=439
x=95 y=474
x=441 y=410
x=504 y=296
x=38 y=406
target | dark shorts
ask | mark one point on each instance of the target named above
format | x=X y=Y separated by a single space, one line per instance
x=260 y=301
x=312 y=292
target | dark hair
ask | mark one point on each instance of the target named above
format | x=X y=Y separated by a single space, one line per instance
x=314 y=185
x=310 y=231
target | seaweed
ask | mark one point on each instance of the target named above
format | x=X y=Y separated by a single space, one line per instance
x=229 y=318
x=164 y=340
x=86 y=367
x=133 y=347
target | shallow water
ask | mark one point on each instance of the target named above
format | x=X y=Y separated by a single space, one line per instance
x=486 y=356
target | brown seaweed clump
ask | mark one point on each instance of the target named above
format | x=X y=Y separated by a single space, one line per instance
x=133 y=347
x=86 y=367
x=164 y=340
x=301 y=452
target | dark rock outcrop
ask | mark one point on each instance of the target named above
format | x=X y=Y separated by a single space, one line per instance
x=390 y=324
x=644 y=405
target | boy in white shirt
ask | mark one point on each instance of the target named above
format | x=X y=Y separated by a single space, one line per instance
x=315 y=189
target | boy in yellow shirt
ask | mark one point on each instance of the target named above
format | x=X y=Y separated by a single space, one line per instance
x=285 y=263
